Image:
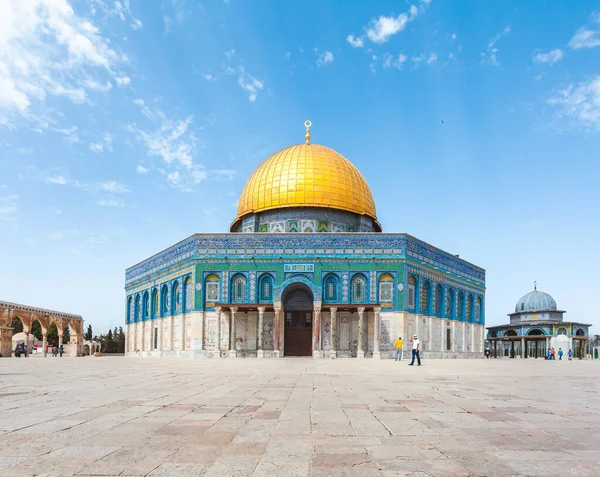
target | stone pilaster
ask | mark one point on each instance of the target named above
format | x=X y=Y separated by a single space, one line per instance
x=44 y=342
x=232 y=349
x=276 y=326
x=316 y=350
x=360 y=352
x=376 y=333
x=260 y=352
x=218 y=310
x=333 y=351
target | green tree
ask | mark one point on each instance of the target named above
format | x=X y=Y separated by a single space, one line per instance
x=52 y=334
x=89 y=333
x=67 y=335
x=36 y=329
x=17 y=325
x=121 y=334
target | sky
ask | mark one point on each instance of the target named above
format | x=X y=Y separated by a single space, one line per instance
x=128 y=125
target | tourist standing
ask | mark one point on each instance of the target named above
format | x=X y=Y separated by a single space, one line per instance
x=415 y=350
x=560 y=353
x=552 y=354
x=60 y=350
x=399 y=342
x=570 y=354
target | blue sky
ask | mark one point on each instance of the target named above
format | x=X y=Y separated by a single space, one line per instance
x=126 y=126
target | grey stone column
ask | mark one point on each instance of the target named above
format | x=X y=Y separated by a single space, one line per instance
x=218 y=345
x=260 y=352
x=523 y=351
x=232 y=350
x=376 y=332
x=317 y=330
x=276 y=326
x=360 y=352
x=333 y=331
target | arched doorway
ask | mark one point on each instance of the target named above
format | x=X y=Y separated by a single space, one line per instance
x=298 y=307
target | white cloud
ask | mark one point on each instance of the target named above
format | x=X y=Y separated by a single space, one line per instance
x=550 y=57
x=59 y=180
x=176 y=145
x=453 y=37
x=120 y=8
x=96 y=147
x=490 y=56
x=381 y=29
x=208 y=77
x=355 y=42
x=176 y=16
x=391 y=61
x=579 y=104
x=325 y=58
x=46 y=49
x=223 y=174
x=287 y=55
x=249 y=83
x=585 y=38
x=106 y=144
x=111 y=203
x=123 y=80
x=8 y=206
x=230 y=53
x=141 y=169
x=424 y=58
x=113 y=186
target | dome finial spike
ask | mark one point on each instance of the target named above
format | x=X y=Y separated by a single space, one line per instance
x=307 y=125
x=535 y=285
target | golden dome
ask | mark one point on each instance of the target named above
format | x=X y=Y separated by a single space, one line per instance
x=306 y=175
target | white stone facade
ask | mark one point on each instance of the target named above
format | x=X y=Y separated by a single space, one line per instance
x=198 y=331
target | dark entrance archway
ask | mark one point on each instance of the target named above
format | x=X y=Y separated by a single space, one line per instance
x=298 y=308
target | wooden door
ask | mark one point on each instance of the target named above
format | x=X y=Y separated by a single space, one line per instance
x=298 y=333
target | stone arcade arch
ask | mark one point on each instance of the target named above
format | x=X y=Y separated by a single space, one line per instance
x=27 y=315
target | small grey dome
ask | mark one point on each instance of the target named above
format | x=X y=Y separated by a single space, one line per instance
x=536 y=301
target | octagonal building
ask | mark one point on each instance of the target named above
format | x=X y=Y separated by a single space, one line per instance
x=305 y=270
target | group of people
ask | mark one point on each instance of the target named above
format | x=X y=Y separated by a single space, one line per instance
x=57 y=351
x=21 y=350
x=551 y=354
x=416 y=345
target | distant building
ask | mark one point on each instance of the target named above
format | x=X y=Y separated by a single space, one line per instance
x=536 y=326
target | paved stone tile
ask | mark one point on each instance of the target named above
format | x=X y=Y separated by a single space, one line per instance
x=298 y=418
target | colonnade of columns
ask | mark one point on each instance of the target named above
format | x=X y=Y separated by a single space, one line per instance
x=316 y=341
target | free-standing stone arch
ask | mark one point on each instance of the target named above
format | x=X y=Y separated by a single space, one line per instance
x=29 y=314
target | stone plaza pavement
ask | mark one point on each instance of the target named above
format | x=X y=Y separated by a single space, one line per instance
x=298 y=417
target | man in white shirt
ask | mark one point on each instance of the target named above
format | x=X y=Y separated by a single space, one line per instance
x=415 y=350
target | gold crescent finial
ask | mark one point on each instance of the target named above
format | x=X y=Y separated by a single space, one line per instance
x=307 y=125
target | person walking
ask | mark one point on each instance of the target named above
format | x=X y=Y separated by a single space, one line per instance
x=398 y=355
x=560 y=354
x=570 y=354
x=552 y=354
x=415 y=350
x=61 y=350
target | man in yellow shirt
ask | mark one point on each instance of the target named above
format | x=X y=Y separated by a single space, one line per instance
x=398 y=356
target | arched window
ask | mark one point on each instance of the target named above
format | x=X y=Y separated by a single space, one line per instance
x=189 y=294
x=510 y=333
x=386 y=288
x=460 y=306
x=145 y=306
x=437 y=301
x=164 y=300
x=469 y=307
x=154 y=304
x=358 y=288
x=138 y=308
x=212 y=289
x=265 y=287
x=238 y=291
x=412 y=286
x=580 y=332
x=331 y=288
x=448 y=303
x=129 y=309
x=425 y=297
x=562 y=331
x=175 y=298
x=478 y=310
